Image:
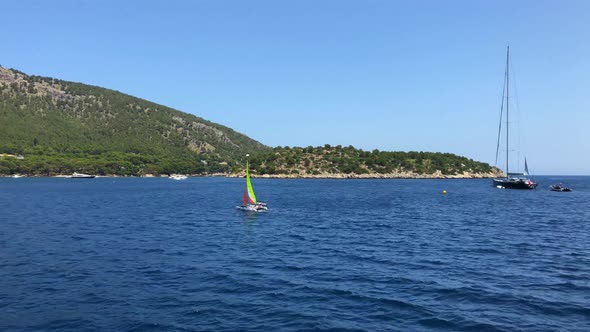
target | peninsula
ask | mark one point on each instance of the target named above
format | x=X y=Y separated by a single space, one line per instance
x=53 y=127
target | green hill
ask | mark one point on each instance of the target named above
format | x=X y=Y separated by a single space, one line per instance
x=49 y=127
x=61 y=127
x=338 y=161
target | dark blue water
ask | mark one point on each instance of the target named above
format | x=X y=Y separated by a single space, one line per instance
x=331 y=255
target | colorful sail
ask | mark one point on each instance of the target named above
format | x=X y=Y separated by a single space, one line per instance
x=251 y=195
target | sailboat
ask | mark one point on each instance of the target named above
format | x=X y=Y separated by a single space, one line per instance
x=249 y=199
x=512 y=180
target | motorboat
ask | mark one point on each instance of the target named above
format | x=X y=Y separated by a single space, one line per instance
x=76 y=175
x=559 y=187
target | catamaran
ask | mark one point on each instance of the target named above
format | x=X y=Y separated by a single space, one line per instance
x=249 y=198
x=512 y=180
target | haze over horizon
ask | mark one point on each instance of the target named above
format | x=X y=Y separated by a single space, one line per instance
x=393 y=76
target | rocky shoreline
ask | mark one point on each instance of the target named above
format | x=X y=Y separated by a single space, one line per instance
x=395 y=175
x=401 y=175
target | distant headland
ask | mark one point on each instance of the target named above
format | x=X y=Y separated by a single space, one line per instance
x=52 y=127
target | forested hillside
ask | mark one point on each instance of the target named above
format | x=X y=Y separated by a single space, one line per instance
x=50 y=127
x=331 y=161
x=60 y=127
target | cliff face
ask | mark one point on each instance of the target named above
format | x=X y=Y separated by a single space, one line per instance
x=43 y=116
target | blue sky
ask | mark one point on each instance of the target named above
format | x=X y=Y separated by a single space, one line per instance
x=388 y=75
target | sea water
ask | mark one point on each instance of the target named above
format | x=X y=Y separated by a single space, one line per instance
x=152 y=254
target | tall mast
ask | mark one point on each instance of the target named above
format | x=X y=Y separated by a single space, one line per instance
x=507 y=103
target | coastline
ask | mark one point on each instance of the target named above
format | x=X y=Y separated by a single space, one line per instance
x=465 y=175
x=395 y=175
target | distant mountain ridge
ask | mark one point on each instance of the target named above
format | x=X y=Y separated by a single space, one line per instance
x=62 y=126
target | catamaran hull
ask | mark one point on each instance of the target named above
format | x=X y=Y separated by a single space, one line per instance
x=251 y=208
x=515 y=184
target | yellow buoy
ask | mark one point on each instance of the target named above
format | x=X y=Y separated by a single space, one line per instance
x=444 y=192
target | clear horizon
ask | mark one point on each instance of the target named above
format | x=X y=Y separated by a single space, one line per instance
x=393 y=76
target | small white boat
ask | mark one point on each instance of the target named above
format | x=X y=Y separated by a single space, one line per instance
x=17 y=176
x=82 y=176
x=178 y=177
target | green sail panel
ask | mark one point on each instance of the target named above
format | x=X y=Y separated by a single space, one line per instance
x=251 y=195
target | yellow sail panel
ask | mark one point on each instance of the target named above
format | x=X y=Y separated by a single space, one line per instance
x=249 y=184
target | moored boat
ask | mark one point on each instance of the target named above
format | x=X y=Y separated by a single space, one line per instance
x=511 y=180
x=559 y=187
x=76 y=175
x=515 y=183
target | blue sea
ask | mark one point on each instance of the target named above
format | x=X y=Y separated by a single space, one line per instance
x=153 y=254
